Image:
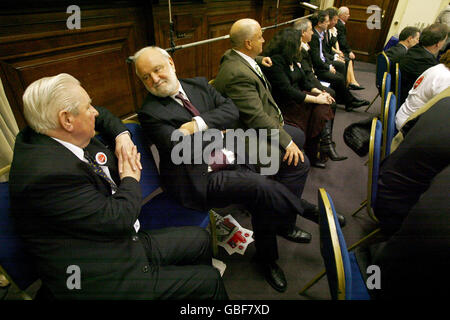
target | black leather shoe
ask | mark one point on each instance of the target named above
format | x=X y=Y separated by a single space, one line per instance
x=355 y=87
x=359 y=103
x=296 y=235
x=275 y=276
x=311 y=212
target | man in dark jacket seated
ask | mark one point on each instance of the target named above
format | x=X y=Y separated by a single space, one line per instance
x=325 y=67
x=408 y=38
x=422 y=56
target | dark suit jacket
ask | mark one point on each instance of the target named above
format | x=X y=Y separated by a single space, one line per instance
x=257 y=108
x=395 y=53
x=318 y=64
x=342 y=38
x=412 y=65
x=67 y=216
x=419 y=250
x=160 y=117
x=409 y=170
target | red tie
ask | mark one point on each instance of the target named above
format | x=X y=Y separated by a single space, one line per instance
x=217 y=160
x=187 y=104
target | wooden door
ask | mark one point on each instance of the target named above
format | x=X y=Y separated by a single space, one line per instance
x=365 y=42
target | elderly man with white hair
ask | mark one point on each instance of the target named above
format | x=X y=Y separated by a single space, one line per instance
x=77 y=208
x=344 y=15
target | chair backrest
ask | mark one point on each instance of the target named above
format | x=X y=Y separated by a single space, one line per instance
x=150 y=180
x=333 y=249
x=374 y=165
x=383 y=66
x=388 y=124
x=17 y=266
x=398 y=85
x=392 y=42
x=385 y=89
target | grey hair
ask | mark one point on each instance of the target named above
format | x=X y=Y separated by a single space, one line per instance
x=136 y=56
x=45 y=98
x=342 y=10
x=302 y=24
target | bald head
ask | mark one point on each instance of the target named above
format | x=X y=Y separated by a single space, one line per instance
x=241 y=30
x=246 y=36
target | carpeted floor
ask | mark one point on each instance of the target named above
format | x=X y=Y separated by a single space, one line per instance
x=346 y=182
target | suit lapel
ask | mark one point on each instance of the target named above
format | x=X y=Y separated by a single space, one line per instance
x=238 y=58
x=247 y=65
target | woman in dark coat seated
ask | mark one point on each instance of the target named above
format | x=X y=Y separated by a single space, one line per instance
x=302 y=104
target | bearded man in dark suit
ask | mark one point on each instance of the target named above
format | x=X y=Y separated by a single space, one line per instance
x=193 y=108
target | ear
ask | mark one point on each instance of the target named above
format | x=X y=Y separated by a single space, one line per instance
x=248 y=44
x=66 y=120
x=172 y=64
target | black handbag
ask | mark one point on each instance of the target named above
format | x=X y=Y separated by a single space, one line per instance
x=357 y=136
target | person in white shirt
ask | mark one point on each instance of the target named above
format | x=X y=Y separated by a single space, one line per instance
x=430 y=83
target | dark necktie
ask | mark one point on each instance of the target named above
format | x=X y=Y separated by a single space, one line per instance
x=98 y=170
x=217 y=160
x=188 y=105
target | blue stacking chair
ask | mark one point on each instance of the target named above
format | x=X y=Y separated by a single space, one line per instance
x=15 y=264
x=374 y=168
x=392 y=42
x=389 y=130
x=344 y=277
x=159 y=210
x=398 y=84
x=383 y=66
x=385 y=89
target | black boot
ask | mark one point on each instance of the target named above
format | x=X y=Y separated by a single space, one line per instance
x=312 y=151
x=327 y=145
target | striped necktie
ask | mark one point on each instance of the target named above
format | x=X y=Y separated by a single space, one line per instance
x=98 y=170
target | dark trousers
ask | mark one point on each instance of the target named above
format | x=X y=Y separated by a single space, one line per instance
x=274 y=201
x=338 y=84
x=180 y=264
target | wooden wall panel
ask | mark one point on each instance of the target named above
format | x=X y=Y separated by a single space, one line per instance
x=95 y=54
x=35 y=42
x=212 y=19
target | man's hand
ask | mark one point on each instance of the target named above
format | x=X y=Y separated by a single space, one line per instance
x=266 y=62
x=351 y=55
x=124 y=141
x=293 y=153
x=332 y=69
x=129 y=159
x=188 y=128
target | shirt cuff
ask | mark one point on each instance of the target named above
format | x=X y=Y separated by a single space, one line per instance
x=201 y=124
x=289 y=144
x=123 y=133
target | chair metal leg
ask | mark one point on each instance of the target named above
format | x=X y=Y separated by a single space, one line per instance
x=20 y=292
x=368 y=107
x=212 y=226
x=363 y=204
x=312 y=282
x=359 y=242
